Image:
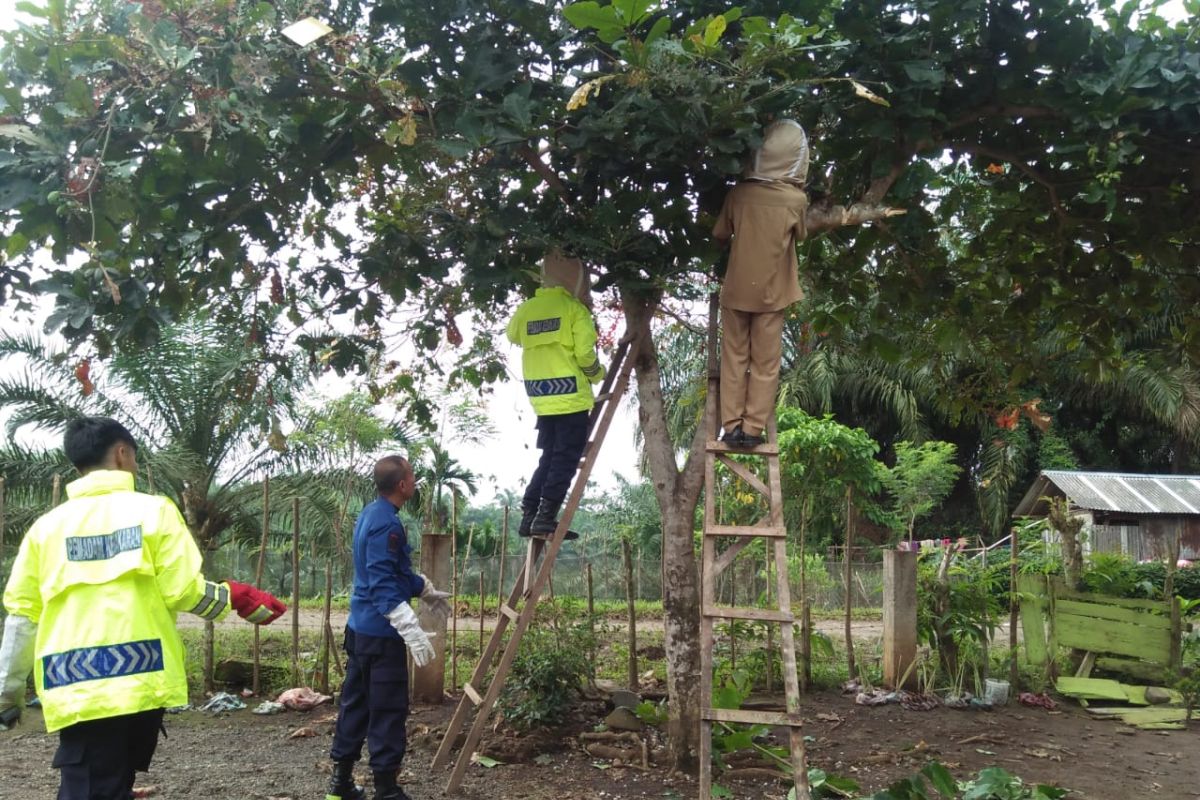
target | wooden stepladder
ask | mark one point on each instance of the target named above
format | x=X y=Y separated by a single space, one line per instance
x=530 y=582
x=714 y=561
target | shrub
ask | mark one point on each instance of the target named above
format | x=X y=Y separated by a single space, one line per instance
x=547 y=674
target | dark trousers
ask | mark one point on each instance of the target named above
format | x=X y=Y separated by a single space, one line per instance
x=374 y=702
x=97 y=759
x=561 y=438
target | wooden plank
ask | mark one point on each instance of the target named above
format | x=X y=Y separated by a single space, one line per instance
x=1090 y=688
x=1141 y=716
x=1086 y=666
x=470 y=692
x=1061 y=592
x=1089 y=633
x=1113 y=613
x=1033 y=617
x=749 y=717
x=509 y=611
x=723 y=561
x=743 y=472
x=768 y=531
x=767 y=449
x=1134 y=668
x=740 y=612
x=1175 y=638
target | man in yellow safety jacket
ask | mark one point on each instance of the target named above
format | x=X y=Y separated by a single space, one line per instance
x=91 y=606
x=558 y=361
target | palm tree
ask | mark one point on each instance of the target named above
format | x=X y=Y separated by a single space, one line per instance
x=438 y=473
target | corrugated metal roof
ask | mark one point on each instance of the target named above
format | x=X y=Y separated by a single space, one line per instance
x=1129 y=493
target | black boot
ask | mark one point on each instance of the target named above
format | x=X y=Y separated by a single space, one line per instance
x=341 y=783
x=386 y=788
x=527 y=515
x=546 y=521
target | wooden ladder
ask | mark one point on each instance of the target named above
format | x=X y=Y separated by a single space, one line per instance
x=530 y=581
x=773 y=532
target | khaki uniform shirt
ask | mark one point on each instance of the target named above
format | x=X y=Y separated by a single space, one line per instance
x=765 y=221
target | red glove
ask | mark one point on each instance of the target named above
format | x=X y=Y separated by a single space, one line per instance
x=254 y=605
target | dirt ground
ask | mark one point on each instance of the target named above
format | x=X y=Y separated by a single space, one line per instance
x=247 y=757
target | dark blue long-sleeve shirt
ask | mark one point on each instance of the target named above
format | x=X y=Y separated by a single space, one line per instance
x=383 y=572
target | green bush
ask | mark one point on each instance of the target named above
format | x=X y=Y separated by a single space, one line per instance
x=547 y=673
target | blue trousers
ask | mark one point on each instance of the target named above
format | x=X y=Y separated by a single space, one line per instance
x=374 y=702
x=561 y=438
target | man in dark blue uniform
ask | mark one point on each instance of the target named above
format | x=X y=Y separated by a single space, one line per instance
x=381 y=631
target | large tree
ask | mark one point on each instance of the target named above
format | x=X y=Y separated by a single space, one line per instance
x=189 y=154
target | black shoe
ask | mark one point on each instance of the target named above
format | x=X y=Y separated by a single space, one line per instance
x=546 y=521
x=527 y=515
x=733 y=437
x=386 y=788
x=341 y=783
x=750 y=440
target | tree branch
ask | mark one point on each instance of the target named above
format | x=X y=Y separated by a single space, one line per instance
x=547 y=174
x=827 y=216
x=1022 y=165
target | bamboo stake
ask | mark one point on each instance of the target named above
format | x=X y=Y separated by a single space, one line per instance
x=56 y=490
x=337 y=658
x=591 y=607
x=849 y=588
x=482 y=608
x=627 y=551
x=295 y=591
x=326 y=632
x=805 y=635
x=255 y=684
x=770 y=625
x=453 y=591
x=1014 y=608
x=2 y=521
x=503 y=558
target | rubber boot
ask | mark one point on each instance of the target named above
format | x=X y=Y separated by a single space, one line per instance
x=386 y=788
x=341 y=783
x=527 y=515
x=546 y=521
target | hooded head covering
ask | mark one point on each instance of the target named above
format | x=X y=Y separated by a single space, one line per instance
x=783 y=155
x=569 y=273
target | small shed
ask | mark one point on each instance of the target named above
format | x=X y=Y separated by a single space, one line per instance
x=1138 y=515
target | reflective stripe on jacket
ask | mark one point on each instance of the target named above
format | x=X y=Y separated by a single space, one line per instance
x=558 y=359
x=103 y=577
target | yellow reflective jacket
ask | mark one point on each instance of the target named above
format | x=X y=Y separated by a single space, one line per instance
x=558 y=358
x=103 y=577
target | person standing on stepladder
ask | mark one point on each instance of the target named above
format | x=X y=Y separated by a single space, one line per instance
x=764 y=215
x=380 y=634
x=559 y=363
x=92 y=601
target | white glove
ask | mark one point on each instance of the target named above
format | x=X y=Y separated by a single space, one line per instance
x=16 y=660
x=404 y=620
x=434 y=601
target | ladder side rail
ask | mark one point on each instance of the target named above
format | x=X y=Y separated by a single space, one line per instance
x=482 y=666
x=532 y=593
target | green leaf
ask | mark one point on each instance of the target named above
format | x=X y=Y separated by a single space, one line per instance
x=631 y=12
x=714 y=30
x=589 y=14
x=720 y=791
x=485 y=761
x=16 y=243
x=941 y=779
x=26 y=134
x=32 y=9
x=658 y=29
x=15 y=191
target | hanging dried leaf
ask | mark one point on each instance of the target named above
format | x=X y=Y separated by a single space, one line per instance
x=868 y=95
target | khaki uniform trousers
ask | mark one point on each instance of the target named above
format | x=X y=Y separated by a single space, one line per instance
x=751 y=350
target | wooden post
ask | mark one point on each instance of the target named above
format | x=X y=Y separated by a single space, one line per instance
x=846 y=577
x=482 y=608
x=770 y=626
x=805 y=631
x=899 y=616
x=453 y=592
x=1014 y=609
x=429 y=682
x=295 y=591
x=591 y=607
x=56 y=490
x=733 y=626
x=326 y=628
x=255 y=684
x=1175 y=652
x=627 y=552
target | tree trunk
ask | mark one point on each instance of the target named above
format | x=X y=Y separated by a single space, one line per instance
x=678 y=492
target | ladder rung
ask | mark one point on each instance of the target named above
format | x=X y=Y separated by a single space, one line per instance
x=750 y=717
x=470 y=692
x=764 y=449
x=772 y=531
x=603 y=397
x=509 y=611
x=740 y=612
